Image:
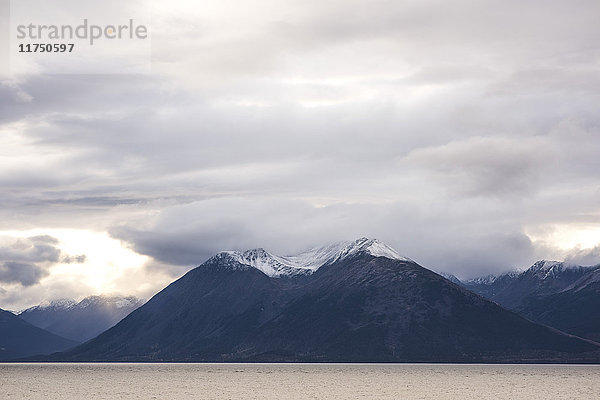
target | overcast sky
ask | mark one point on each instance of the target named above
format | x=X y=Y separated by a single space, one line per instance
x=465 y=134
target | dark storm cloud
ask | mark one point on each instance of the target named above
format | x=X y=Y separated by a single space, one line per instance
x=33 y=249
x=80 y=259
x=448 y=130
x=188 y=234
x=441 y=239
x=27 y=260
x=23 y=273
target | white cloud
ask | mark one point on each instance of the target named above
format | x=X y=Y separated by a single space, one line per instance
x=453 y=131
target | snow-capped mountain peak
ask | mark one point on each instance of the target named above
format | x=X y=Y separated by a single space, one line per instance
x=544 y=265
x=545 y=269
x=60 y=305
x=266 y=262
x=83 y=320
x=308 y=261
x=373 y=247
x=488 y=280
x=57 y=304
x=542 y=270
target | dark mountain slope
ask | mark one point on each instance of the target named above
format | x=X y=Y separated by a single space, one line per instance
x=575 y=310
x=21 y=339
x=377 y=309
x=551 y=293
x=543 y=278
x=360 y=308
x=200 y=316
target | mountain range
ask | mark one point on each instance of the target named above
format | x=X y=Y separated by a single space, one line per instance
x=564 y=296
x=83 y=320
x=348 y=302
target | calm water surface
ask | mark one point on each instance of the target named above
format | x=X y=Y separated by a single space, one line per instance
x=297 y=381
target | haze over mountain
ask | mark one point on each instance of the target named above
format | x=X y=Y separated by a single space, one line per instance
x=564 y=296
x=21 y=339
x=81 y=321
x=352 y=301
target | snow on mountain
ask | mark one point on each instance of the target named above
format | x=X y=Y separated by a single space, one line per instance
x=59 y=304
x=592 y=277
x=545 y=269
x=127 y=302
x=319 y=256
x=101 y=300
x=269 y=264
x=483 y=280
x=83 y=320
x=309 y=261
x=544 y=265
x=491 y=278
x=449 y=276
x=540 y=270
x=115 y=302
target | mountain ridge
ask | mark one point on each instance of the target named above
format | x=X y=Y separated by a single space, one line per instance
x=359 y=307
x=80 y=320
x=558 y=294
x=309 y=261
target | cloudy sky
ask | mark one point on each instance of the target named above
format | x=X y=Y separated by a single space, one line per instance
x=465 y=134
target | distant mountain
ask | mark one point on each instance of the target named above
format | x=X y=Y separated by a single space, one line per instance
x=575 y=310
x=542 y=278
x=21 y=339
x=557 y=294
x=81 y=321
x=348 y=302
x=450 y=277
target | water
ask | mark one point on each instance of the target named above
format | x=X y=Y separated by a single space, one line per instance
x=298 y=381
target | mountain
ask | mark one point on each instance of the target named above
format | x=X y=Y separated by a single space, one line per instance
x=81 y=321
x=542 y=278
x=575 y=310
x=348 y=302
x=566 y=297
x=21 y=339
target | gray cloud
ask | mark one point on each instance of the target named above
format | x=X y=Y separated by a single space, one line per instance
x=584 y=256
x=80 y=259
x=485 y=166
x=27 y=260
x=33 y=249
x=445 y=129
x=23 y=273
x=449 y=240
